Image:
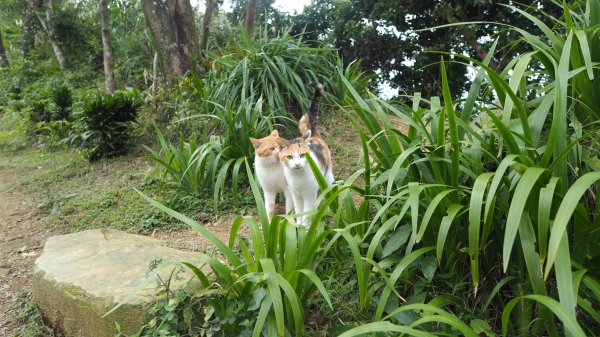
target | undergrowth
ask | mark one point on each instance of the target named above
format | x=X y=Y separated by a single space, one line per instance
x=28 y=317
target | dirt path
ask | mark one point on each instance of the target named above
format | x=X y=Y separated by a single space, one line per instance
x=21 y=241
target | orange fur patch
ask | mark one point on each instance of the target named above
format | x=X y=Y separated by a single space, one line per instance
x=300 y=146
x=268 y=146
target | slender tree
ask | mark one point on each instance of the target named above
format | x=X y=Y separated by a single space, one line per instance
x=206 y=24
x=107 y=48
x=46 y=17
x=172 y=25
x=3 y=58
x=250 y=13
x=25 y=40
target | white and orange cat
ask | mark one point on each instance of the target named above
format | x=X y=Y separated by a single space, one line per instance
x=281 y=165
x=299 y=177
x=269 y=171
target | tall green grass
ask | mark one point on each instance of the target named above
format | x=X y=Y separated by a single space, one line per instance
x=481 y=219
x=511 y=204
x=277 y=69
x=214 y=161
x=273 y=268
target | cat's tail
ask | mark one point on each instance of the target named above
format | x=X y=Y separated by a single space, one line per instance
x=310 y=120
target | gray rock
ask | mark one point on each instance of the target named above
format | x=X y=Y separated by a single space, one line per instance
x=79 y=277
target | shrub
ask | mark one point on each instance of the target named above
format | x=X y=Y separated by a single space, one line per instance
x=62 y=98
x=258 y=289
x=13 y=129
x=215 y=161
x=508 y=211
x=39 y=112
x=109 y=120
x=277 y=69
x=189 y=165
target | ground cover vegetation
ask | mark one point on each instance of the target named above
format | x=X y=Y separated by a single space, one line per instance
x=469 y=208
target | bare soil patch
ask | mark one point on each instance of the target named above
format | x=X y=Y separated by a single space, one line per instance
x=21 y=242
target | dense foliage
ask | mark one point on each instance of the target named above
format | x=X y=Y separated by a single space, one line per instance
x=394 y=39
x=251 y=88
x=108 y=119
x=474 y=222
x=473 y=211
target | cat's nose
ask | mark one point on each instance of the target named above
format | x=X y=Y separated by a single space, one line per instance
x=297 y=164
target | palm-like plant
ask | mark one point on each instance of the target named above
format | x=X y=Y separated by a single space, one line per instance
x=217 y=159
x=274 y=68
x=277 y=69
x=500 y=201
x=515 y=188
x=275 y=271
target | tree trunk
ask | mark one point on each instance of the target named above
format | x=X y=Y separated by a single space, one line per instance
x=26 y=29
x=155 y=83
x=250 y=13
x=155 y=80
x=172 y=25
x=3 y=58
x=206 y=24
x=46 y=23
x=106 y=47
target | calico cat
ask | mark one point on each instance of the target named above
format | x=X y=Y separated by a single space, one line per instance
x=299 y=177
x=269 y=171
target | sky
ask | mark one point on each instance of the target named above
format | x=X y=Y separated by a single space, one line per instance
x=289 y=6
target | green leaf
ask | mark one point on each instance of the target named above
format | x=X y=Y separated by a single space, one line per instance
x=477 y=195
x=445 y=228
x=564 y=213
x=440 y=315
x=515 y=212
x=384 y=327
x=452 y=125
x=568 y=319
x=482 y=327
x=396 y=241
x=399 y=268
x=428 y=267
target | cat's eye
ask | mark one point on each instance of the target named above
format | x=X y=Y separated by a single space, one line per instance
x=302 y=155
x=272 y=149
x=290 y=157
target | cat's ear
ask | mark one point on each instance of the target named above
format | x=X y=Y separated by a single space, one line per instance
x=275 y=133
x=255 y=142
x=306 y=135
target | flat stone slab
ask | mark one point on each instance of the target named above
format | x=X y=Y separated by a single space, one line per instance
x=79 y=277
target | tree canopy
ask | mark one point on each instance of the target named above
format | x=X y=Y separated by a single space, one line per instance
x=394 y=40
x=399 y=41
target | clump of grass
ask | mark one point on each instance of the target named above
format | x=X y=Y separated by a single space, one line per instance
x=28 y=317
x=13 y=129
x=109 y=120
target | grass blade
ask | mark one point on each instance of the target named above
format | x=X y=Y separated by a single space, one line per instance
x=564 y=213
x=568 y=319
x=515 y=212
x=384 y=327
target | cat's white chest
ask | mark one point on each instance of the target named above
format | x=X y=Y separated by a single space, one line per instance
x=269 y=172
